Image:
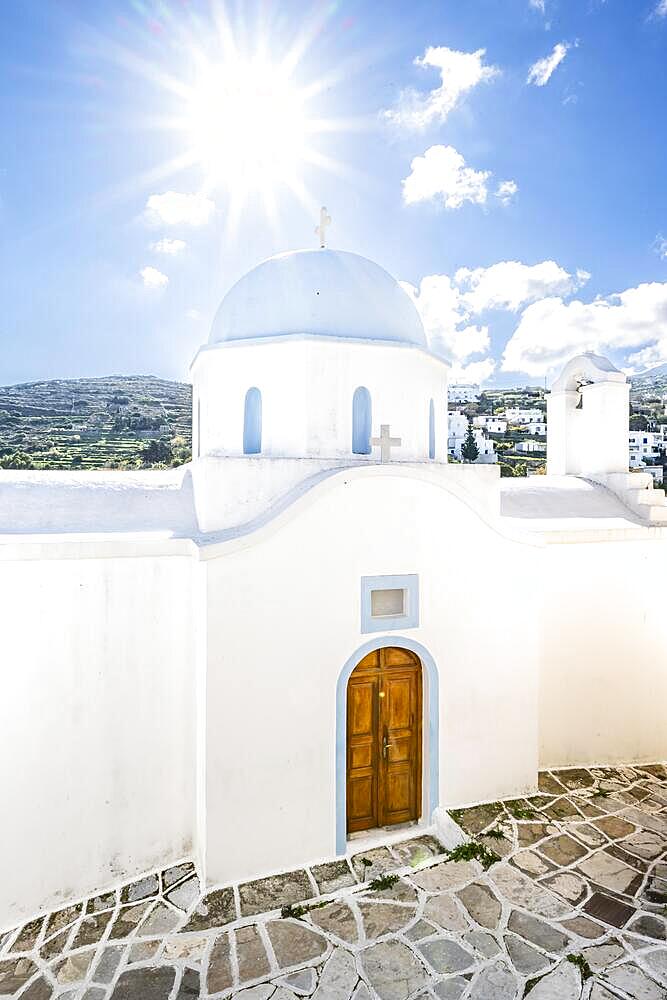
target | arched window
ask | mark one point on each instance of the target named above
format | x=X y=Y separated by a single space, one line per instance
x=361 y=421
x=252 y=422
x=431 y=430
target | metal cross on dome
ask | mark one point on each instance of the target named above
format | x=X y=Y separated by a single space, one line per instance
x=385 y=443
x=321 y=230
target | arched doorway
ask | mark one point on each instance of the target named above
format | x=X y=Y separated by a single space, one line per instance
x=384 y=740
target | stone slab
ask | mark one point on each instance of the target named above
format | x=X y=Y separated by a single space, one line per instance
x=294 y=943
x=338 y=978
x=149 y=984
x=447 y=875
x=495 y=982
x=522 y=892
x=608 y=909
x=564 y=983
x=266 y=894
x=393 y=970
x=216 y=909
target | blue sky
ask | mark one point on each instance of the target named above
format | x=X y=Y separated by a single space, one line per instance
x=526 y=210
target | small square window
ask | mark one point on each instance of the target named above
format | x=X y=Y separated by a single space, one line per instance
x=389 y=602
x=386 y=603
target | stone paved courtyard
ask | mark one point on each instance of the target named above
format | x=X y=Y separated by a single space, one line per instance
x=574 y=907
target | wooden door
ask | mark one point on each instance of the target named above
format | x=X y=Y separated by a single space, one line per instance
x=384 y=710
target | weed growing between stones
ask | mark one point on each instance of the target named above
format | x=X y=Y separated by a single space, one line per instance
x=600 y=793
x=456 y=814
x=530 y=984
x=495 y=834
x=518 y=811
x=383 y=882
x=474 y=852
x=300 y=910
x=367 y=864
x=581 y=964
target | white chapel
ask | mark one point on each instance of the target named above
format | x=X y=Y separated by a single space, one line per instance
x=319 y=628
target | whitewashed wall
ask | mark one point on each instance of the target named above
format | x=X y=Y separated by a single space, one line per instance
x=96 y=724
x=283 y=619
x=603 y=682
x=307 y=385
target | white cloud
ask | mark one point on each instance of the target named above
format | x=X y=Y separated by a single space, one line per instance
x=475 y=373
x=538 y=5
x=551 y=331
x=661 y=9
x=442 y=173
x=174 y=208
x=445 y=318
x=510 y=285
x=460 y=72
x=152 y=278
x=540 y=72
x=660 y=242
x=506 y=191
x=450 y=307
x=169 y=247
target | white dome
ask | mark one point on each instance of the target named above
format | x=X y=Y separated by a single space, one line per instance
x=325 y=293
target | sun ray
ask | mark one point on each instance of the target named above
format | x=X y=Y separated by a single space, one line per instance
x=233 y=93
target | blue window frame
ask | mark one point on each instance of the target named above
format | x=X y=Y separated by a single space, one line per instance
x=380 y=592
x=431 y=430
x=252 y=422
x=362 y=421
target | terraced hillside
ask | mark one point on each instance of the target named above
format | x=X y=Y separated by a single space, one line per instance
x=116 y=422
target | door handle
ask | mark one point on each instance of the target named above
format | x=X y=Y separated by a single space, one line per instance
x=385 y=748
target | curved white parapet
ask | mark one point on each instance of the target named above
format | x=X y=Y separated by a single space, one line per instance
x=637 y=491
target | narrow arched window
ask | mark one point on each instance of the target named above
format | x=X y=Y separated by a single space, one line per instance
x=431 y=430
x=252 y=422
x=361 y=421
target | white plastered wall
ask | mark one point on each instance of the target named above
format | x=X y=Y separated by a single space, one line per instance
x=587 y=419
x=97 y=723
x=307 y=385
x=283 y=619
x=603 y=682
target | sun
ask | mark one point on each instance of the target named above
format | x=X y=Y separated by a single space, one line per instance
x=245 y=105
x=248 y=125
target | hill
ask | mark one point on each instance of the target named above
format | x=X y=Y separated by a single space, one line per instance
x=116 y=422
x=653 y=380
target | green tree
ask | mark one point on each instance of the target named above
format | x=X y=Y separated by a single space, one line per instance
x=180 y=450
x=18 y=460
x=156 y=452
x=638 y=422
x=469 y=449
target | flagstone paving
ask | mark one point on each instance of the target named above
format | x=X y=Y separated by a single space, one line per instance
x=575 y=908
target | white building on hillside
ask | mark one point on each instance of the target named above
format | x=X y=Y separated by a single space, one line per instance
x=538 y=427
x=517 y=416
x=458 y=429
x=491 y=424
x=463 y=393
x=646 y=446
x=531 y=447
x=249 y=659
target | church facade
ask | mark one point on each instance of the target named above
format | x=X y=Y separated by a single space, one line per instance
x=318 y=629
